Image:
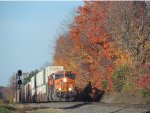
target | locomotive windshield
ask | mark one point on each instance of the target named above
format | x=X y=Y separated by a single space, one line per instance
x=58 y=76
x=70 y=75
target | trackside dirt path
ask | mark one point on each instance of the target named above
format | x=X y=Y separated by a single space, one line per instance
x=89 y=107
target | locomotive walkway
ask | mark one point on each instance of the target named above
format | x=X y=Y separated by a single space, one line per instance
x=90 y=107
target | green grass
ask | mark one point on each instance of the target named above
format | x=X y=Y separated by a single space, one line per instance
x=46 y=111
x=1 y=102
x=19 y=108
x=4 y=110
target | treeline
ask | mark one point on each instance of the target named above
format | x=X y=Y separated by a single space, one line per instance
x=108 y=43
x=31 y=74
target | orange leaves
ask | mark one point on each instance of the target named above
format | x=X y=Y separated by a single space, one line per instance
x=110 y=69
x=86 y=9
x=107 y=45
x=80 y=19
x=90 y=44
x=90 y=37
x=74 y=33
x=94 y=40
x=108 y=50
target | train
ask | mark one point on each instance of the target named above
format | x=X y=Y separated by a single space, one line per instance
x=50 y=84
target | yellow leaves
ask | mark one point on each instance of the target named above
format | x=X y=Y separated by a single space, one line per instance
x=88 y=58
x=147 y=44
x=122 y=57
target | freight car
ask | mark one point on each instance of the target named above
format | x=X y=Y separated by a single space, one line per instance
x=50 y=84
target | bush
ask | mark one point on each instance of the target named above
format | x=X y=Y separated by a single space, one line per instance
x=104 y=84
x=119 y=78
x=144 y=86
x=4 y=110
x=145 y=92
x=129 y=85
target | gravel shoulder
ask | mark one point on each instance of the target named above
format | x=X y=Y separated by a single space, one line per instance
x=47 y=110
x=90 y=107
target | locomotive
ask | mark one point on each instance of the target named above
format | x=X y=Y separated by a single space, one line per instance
x=51 y=84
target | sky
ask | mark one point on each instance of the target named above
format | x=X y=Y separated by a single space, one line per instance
x=28 y=33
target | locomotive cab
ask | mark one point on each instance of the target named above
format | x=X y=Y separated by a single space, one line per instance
x=62 y=85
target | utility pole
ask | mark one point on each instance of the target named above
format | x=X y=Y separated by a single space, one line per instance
x=16 y=88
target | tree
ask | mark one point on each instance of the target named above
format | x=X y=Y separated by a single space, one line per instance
x=104 y=37
x=87 y=46
x=31 y=74
x=130 y=28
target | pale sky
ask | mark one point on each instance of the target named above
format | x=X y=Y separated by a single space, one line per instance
x=28 y=32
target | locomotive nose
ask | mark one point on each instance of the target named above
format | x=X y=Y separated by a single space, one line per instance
x=70 y=89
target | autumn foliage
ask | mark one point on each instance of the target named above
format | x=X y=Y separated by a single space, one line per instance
x=103 y=38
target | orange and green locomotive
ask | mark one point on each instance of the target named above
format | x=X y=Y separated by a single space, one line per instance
x=61 y=86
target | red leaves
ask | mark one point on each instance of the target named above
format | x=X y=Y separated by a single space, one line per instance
x=144 y=81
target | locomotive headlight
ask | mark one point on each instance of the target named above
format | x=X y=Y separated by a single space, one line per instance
x=59 y=89
x=65 y=79
x=70 y=89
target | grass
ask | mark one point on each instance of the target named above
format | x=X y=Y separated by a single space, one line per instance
x=1 y=102
x=4 y=110
x=20 y=108
x=49 y=110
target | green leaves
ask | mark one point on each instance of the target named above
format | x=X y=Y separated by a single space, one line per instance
x=120 y=77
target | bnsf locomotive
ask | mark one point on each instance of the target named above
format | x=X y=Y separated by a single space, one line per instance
x=50 y=84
